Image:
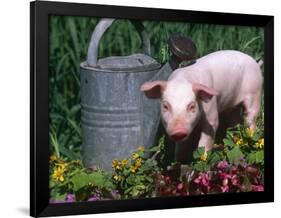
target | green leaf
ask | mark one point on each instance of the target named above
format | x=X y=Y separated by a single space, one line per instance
x=260 y=156
x=130 y=180
x=256 y=137
x=81 y=195
x=201 y=166
x=161 y=143
x=229 y=142
x=109 y=185
x=140 y=187
x=68 y=153
x=135 y=192
x=75 y=126
x=79 y=181
x=234 y=155
x=54 y=142
x=149 y=179
x=58 y=196
x=251 y=158
x=198 y=152
x=127 y=191
x=149 y=165
x=154 y=149
x=247 y=44
x=97 y=179
x=82 y=179
x=256 y=157
x=52 y=184
x=214 y=158
x=75 y=109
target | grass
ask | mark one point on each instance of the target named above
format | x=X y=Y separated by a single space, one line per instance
x=69 y=39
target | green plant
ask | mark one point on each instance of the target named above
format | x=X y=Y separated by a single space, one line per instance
x=235 y=166
x=240 y=144
x=71 y=178
x=134 y=177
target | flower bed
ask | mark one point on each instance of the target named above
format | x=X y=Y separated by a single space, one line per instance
x=237 y=165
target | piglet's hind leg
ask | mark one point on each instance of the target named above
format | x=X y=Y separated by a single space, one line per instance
x=251 y=105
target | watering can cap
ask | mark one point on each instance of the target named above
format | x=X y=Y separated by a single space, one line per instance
x=133 y=63
x=182 y=47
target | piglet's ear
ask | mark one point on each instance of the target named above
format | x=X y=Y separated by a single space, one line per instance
x=203 y=92
x=154 y=89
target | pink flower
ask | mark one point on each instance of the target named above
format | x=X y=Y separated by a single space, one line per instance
x=203 y=180
x=225 y=188
x=115 y=194
x=222 y=165
x=235 y=180
x=224 y=176
x=70 y=198
x=95 y=197
x=180 y=186
x=257 y=188
x=167 y=179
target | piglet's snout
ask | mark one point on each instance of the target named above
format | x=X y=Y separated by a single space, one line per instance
x=179 y=135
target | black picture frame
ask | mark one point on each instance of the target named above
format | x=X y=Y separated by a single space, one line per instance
x=39 y=120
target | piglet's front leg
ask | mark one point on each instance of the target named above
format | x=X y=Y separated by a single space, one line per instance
x=208 y=131
x=184 y=150
x=207 y=138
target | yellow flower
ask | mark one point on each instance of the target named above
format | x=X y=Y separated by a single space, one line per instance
x=138 y=162
x=238 y=140
x=115 y=164
x=116 y=177
x=260 y=143
x=53 y=158
x=250 y=132
x=62 y=166
x=204 y=156
x=141 y=149
x=133 y=169
x=76 y=161
x=58 y=174
x=135 y=156
x=124 y=162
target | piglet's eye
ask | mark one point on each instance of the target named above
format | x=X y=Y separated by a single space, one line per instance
x=191 y=107
x=165 y=107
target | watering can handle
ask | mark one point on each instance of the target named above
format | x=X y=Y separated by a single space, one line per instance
x=102 y=26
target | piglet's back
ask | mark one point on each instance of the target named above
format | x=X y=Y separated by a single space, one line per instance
x=231 y=73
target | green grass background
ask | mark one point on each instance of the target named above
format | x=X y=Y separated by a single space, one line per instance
x=68 y=43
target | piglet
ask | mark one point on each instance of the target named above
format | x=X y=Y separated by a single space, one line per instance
x=196 y=95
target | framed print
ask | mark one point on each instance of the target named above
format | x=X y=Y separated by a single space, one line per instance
x=141 y=109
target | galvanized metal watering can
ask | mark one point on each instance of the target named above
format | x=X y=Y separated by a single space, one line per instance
x=116 y=117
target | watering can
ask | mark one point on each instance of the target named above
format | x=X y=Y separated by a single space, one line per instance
x=117 y=118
